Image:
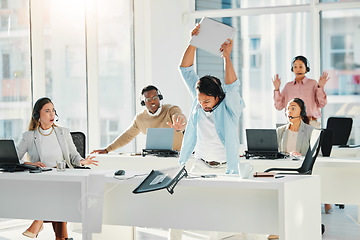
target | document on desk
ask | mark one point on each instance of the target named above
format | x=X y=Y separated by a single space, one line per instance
x=212 y=35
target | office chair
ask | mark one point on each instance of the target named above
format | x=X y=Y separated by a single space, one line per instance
x=79 y=140
x=310 y=157
x=341 y=128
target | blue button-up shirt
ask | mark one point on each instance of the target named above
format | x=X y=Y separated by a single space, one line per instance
x=226 y=117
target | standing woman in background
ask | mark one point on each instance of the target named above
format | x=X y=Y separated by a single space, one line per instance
x=46 y=144
x=309 y=90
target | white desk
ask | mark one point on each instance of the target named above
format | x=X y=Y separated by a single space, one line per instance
x=337 y=173
x=345 y=152
x=287 y=206
x=71 y=196
x=338 y=176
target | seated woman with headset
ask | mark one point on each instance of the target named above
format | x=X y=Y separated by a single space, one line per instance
x=294 y=137
x=46 y=144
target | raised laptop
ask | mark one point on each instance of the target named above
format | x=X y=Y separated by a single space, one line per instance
x=262 y=143
x=159 y=141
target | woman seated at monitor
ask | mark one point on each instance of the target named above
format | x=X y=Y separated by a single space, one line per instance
x=294 y=137
x=46 y=144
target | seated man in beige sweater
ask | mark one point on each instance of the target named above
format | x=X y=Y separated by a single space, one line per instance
x=155 y=115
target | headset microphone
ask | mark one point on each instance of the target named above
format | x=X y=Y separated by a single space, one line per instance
x=57 y=117
x=294 y=117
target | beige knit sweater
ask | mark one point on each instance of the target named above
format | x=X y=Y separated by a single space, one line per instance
x=143 y=121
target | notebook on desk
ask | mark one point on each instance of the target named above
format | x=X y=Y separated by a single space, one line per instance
x=159 y=141
x=9 y=160
x=262 y=143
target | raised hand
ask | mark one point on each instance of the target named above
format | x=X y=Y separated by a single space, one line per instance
x=195 y=30
x=226 y=48
x=89 y=160
x=323 y=79
x=277 y=82
x=178 y=123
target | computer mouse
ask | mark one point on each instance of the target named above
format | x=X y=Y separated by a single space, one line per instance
x=35 y=170
x=119 y=172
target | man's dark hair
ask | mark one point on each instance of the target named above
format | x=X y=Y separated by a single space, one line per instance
x=210 y=86
x=149 y=88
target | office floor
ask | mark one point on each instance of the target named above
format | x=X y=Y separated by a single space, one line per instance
x=341 y=224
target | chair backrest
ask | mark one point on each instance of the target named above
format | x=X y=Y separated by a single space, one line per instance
x=341 y=128
x=312 y=153
x=79 y=141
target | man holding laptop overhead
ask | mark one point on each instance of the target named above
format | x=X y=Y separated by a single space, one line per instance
x=156 y=115
x=215 y=114
x=214 y=118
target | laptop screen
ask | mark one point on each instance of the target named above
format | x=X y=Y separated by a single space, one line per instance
x=159 y=138
x=8 y=154
x=261 y=140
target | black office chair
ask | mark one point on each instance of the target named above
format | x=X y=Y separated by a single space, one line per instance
x=341 y=129
x=79 y=140
x=310 y=157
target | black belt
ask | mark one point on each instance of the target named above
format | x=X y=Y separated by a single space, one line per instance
x=213 y=163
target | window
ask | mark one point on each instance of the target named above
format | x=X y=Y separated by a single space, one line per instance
x=341 y=52
x=65 y=61
x=4 y=22
x=116 y=84
x=6 y=65
x=340 y=45
x=4 y=4
x=15 y=81
x=254 y=52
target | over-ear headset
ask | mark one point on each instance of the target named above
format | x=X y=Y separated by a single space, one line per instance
x=148 y=88
x=304 y=60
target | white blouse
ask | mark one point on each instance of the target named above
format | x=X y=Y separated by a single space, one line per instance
x=50 y=148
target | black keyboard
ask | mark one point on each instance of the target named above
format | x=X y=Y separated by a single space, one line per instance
x=11 y=167
x=265 y=155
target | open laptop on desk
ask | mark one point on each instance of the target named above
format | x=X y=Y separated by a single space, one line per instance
x=262 y=143
x=159 y=142
x=9 y=160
